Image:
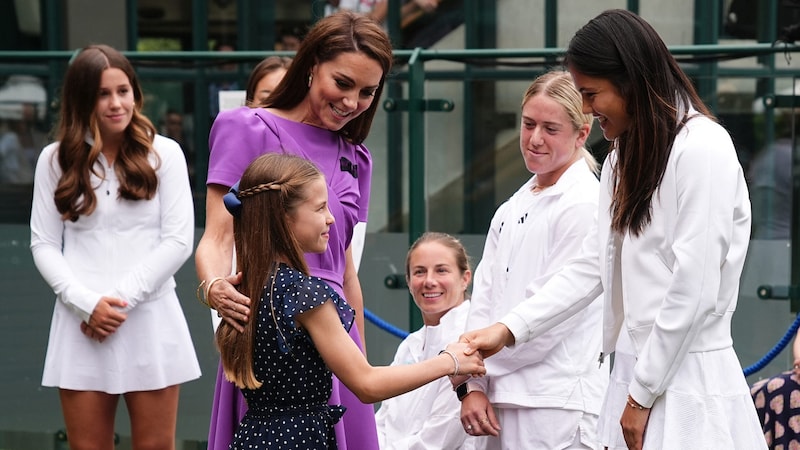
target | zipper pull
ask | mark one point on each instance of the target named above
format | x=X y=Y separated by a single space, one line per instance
x=600 y=360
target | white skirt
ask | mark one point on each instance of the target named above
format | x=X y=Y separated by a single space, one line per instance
x=151 y=350
x=707 y=406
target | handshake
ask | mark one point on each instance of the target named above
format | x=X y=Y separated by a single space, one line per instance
x=472 y=346
x=466 y=361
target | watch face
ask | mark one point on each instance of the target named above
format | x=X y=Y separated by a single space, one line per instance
x=461 y=391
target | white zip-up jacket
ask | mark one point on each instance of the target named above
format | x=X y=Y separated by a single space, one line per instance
x=531 y=237
x=680 y=277
x=429 y=417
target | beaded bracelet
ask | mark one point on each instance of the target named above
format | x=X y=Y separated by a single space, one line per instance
x=632 y=403
x=455 y=360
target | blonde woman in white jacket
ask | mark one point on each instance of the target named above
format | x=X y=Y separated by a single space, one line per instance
x=667 y=253
x=547 y=392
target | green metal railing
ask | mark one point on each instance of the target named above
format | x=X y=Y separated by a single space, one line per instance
x=700 y=61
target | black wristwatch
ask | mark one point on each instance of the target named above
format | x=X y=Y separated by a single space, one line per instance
x=462 y=390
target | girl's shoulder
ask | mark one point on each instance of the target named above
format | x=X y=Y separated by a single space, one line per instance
x=303 y=292
x=48 y=157
x=165 y=145
x=297 y=281
x=169 y=151
x=50 y=149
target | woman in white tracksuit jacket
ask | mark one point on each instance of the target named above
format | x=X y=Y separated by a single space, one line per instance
x=667 y=253
x=438 y=275
x=547 y=392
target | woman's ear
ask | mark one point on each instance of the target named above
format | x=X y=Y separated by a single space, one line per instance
x=583 y=135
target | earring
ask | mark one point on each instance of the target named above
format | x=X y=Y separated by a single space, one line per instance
x=310 y=77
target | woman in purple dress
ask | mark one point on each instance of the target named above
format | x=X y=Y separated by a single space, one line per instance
x=322 y=110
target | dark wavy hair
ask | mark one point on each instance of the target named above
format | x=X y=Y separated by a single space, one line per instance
x=74 y=195
x=270 y=189
x=341 y=32
x=623 y=48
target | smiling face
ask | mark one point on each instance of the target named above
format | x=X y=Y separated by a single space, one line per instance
x=603 y=100
x=341 y=89
x=115 y=103
x=435 y=280
x=547 y=138
x=311 y=219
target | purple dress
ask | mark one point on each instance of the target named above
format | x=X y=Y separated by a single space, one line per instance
x=239 y=136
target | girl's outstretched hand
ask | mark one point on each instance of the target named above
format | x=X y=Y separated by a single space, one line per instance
x=471 y=364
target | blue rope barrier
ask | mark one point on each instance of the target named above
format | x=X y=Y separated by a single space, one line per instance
x=761 y=363
x=384 y=325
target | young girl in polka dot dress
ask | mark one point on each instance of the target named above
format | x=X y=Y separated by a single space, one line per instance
x=283 y=360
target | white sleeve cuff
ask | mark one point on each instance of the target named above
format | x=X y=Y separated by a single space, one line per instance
x=517 y=326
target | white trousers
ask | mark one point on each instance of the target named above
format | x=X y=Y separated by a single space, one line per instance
x=544 y=428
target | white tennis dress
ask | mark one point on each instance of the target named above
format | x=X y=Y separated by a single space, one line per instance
x=125 y=249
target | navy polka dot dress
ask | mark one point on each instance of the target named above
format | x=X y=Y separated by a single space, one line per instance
x=290 y=410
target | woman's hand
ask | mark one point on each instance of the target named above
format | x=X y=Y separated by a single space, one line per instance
x=489 y=340
x=467 y=364
x=455 y=381
x=105 y=318
x=231 y=305
x=634 y=422
x=90 y=333
x=477 y=415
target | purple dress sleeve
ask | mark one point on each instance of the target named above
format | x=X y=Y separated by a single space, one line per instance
x=238 y=136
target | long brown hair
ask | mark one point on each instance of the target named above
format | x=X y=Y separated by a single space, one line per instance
x=270 y=189
x=341 y=32
x=74 y=195
x=623 y=48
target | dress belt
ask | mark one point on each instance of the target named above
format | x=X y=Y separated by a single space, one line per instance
x=332 y=413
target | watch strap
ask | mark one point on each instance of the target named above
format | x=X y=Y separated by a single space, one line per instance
x=462 y=390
